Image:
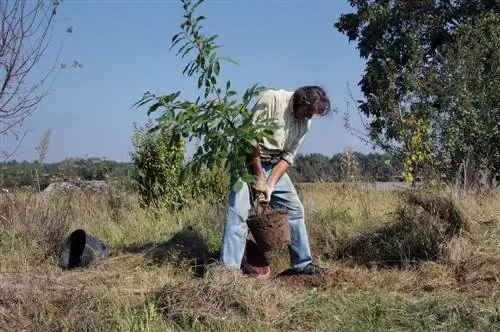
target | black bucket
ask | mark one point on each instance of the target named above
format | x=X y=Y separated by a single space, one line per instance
x=80 y=249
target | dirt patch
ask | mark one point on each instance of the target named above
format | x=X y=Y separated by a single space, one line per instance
x=334 y=279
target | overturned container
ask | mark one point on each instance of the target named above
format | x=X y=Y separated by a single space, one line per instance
x=80 y=249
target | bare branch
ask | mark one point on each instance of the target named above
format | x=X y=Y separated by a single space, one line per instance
x=26 y=31
x=355 y=132
x=6 y=155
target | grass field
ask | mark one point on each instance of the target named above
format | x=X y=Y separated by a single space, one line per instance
x=429 y=261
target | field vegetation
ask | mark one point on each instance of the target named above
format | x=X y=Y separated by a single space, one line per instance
x=398 y=260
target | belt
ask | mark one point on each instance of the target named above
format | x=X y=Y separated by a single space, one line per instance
x=271 y=159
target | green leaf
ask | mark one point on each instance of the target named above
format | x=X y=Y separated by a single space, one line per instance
x=212 y=38
x=216 y=68
x=238 y=186
x=228 y=59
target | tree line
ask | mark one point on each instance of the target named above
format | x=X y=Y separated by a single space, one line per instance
x=314 y=167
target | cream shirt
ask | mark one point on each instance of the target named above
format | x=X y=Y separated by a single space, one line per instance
x=286 y=141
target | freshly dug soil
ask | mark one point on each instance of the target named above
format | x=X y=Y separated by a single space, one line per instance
x=333 y=279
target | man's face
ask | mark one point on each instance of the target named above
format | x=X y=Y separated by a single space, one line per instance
x=307 y=111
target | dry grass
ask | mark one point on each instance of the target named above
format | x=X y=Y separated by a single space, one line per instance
x=162 y=274
x=422 y=224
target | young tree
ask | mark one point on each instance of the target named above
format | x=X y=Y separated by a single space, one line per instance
x=42 y=152
x=224 y=126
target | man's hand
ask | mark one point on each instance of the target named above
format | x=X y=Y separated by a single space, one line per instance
x=268 y=193
x=262 y=191
x=259 y=185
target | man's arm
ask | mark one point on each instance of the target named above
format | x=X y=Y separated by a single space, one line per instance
x=277 y=172
x=254 y=165
x=287 y=158
x=264 y=104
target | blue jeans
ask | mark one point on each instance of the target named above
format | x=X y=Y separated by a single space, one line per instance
x=236 y=229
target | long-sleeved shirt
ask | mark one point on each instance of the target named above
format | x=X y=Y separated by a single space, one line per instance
x=286 y=141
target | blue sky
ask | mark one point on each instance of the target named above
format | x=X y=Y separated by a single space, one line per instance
x=123 y=47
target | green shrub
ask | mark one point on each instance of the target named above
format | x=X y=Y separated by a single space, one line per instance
x=158 y=162
x=209 y=184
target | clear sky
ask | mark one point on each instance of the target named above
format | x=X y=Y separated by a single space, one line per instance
x=123 y=46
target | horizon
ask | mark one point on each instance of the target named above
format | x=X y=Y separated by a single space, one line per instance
x=20 y=161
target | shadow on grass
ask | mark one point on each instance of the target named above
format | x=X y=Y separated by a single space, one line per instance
x=187 y=247
x=422 y=225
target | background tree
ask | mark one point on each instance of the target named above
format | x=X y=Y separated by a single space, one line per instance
x=42 y=152
x=26 y=31
x=209 y=185
x=468 y=89
x=402 y=41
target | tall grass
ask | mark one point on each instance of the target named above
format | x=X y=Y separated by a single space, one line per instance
x=425 y=261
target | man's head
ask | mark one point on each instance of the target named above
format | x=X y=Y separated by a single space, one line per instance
x=309 y=101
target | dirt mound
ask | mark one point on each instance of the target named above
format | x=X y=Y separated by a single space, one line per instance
x=422 y=225
x=185 y=248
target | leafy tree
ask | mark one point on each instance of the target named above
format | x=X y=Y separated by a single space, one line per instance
x=224 y=127
x=401 y=41
x=469 y=100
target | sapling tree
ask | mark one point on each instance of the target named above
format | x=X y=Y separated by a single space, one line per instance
x=222 y=123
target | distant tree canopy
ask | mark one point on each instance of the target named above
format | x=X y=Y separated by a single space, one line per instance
x=363 y=167
x=313 y=167
x=22 y=174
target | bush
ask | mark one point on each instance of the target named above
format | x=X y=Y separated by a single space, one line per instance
x=210 y=185
x=158 y=162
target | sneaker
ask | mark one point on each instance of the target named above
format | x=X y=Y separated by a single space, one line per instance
x=312 y=269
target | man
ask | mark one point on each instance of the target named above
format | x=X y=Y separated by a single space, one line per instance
x=270 y=161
